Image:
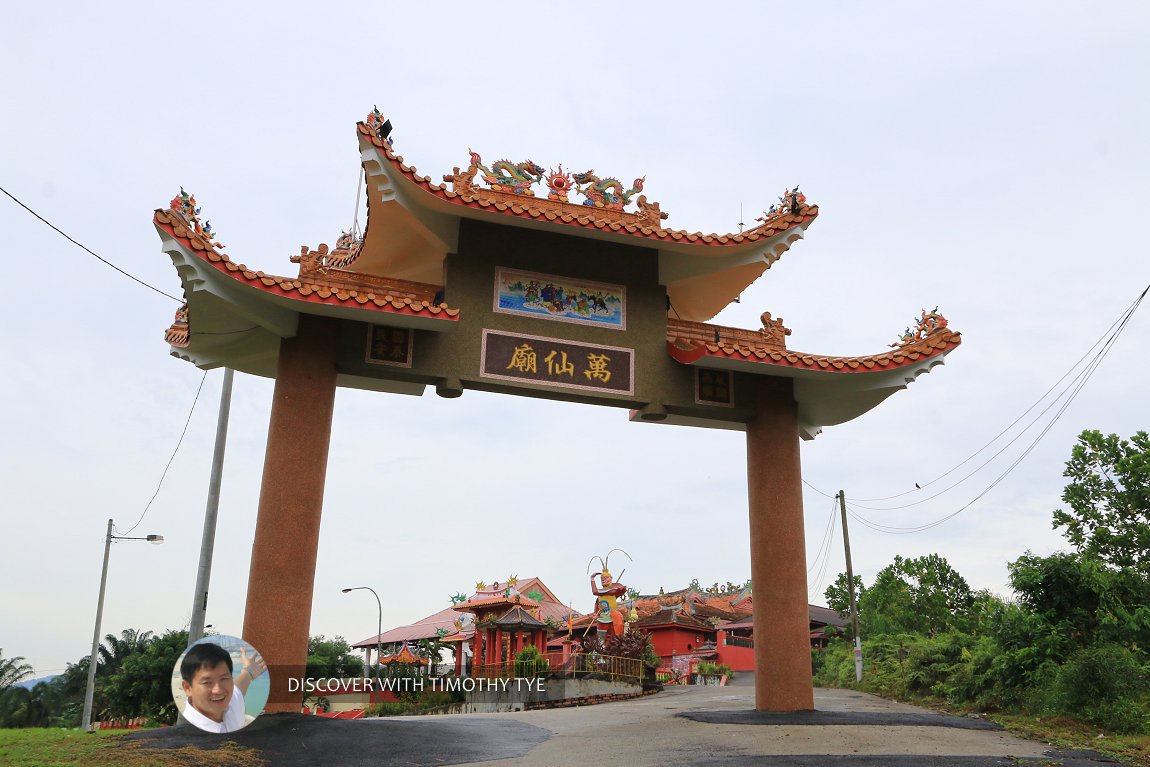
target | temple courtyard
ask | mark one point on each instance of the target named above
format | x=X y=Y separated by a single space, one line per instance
x=688 y=725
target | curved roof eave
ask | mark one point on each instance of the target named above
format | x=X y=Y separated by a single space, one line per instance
x=236 y=317
x=829 y=390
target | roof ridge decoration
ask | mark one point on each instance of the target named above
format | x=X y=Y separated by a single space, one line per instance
x=322 y=261
x=791 y=202
x=926 y=324
x=178 y=335
x=506 y=176
x=380 y=126
x=606 y=196
x=646 y=221
x=598 y=191
x=184 y=206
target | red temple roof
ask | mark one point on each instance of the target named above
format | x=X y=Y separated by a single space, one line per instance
x=686 y=344
x=573 y=214
x=317 y=291
x=702 y=272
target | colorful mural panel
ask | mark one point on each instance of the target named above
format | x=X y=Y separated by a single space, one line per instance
x=560 y=298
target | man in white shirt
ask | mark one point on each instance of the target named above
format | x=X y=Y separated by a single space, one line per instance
x=215 y=698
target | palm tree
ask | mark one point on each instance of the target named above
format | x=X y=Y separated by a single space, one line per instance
x=12 y=670
x=115 y=649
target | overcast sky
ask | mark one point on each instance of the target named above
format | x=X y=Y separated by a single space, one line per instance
x=988 y=158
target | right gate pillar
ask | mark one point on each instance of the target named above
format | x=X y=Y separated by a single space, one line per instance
x=778 y=552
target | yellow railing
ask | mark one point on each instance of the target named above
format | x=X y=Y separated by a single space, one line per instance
x=578 y=666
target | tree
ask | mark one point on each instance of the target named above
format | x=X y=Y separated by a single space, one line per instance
x=1083 y=599
x=36 y=706
x=143 y=684
x=1109 y=499
x=921 y=595
x=113 y=650
x=12 y=670
x=432 y=649
x=838 y=595
x=328 y=658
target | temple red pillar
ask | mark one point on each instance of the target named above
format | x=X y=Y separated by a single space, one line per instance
x=278 y=614
x=778 y=552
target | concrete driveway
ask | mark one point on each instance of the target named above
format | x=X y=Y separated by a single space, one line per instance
x=716 y=726
x=703 y=726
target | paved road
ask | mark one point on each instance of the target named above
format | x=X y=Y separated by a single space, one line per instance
x=702 y=726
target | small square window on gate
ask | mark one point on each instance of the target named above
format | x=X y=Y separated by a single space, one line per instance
x=388 y=346
x=714 y=387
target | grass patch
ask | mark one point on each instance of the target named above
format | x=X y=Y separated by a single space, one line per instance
x=1072 y=734
x=1059 y=731
x=45 y=747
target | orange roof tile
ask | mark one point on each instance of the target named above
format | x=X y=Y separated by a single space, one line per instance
x=471 y=604
x=672 y=616
x=687 y=349
x=644 y=224
x=405 y=655
x=313 y=290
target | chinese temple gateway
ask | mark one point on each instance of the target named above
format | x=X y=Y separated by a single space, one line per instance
x=523 y=280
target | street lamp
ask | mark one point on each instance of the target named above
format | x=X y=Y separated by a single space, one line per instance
x=90 y=691
x=380 y=631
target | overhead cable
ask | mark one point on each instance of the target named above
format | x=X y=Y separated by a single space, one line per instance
x=87 y=249
x=173 y=456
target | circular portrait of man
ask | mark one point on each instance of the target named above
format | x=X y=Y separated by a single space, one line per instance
x=220 y=684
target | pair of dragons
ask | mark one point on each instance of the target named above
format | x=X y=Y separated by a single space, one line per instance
x=518 y=178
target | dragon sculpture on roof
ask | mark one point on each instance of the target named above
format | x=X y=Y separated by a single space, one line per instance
x=606 y=192
x=506 y=176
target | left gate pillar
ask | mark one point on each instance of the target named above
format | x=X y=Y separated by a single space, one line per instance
x=278 y=614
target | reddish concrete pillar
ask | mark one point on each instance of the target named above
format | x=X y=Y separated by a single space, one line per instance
x=278 y=614
x=778 y=552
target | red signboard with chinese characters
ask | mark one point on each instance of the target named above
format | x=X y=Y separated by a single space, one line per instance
x=556 y=362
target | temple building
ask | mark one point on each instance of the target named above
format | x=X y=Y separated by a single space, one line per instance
x=521 y=279
x=692 y=624
x=512 y=604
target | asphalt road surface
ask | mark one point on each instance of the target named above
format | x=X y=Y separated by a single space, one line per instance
x=702 y=726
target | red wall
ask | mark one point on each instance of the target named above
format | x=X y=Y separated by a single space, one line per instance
x=738 y=658
x=672 y=640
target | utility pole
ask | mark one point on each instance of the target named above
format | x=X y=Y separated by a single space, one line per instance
x=89 y=691
x=851 y=586
x=208 y=542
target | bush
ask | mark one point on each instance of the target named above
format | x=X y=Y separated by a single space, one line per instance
x=1105 y=684
x=426 y=700
x=529 y=663
x=706 y=668
x=386 y=708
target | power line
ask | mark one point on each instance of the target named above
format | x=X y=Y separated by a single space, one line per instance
x=824 y=552
x=1077 y=382
x=160 y=484
x=87 y=249
x=820 y=492
x=823 y=540
x=1120 y=321
x=1070 y=395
